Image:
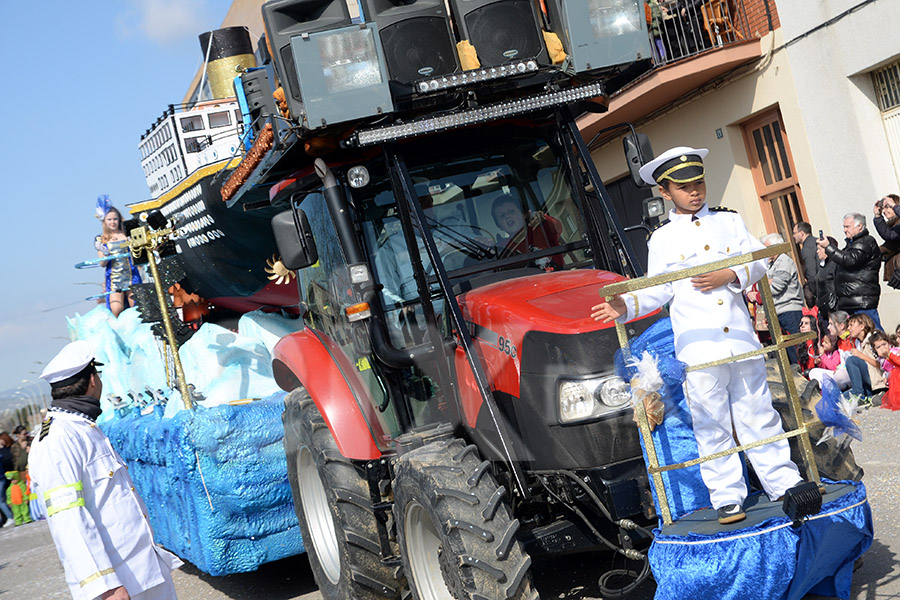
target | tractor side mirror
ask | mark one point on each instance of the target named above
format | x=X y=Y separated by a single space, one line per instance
x=638 y=152
x=294 y=239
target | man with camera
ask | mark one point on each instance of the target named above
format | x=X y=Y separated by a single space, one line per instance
x=856 y=274
x=887 y=224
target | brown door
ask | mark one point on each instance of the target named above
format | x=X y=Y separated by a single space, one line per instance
x=774 y=175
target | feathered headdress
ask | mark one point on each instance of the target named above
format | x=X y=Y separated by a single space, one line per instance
x=103 y=206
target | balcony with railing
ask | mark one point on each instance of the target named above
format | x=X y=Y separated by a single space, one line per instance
x=693 y=43
x=679 y=30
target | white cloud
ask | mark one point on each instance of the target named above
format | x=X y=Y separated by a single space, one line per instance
x=162 y=21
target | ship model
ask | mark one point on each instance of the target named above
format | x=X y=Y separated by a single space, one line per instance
x=223 y=261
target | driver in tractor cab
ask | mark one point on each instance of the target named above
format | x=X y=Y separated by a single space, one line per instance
x=711 y=322
x=526 y=232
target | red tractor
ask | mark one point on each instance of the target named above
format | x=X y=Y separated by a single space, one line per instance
x=454 y=409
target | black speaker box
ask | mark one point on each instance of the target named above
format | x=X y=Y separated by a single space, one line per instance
x=258 y=92
x=500 y=30
x=416 y=37
x=285 y=19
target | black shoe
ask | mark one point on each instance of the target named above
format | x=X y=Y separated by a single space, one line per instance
x=731 y=513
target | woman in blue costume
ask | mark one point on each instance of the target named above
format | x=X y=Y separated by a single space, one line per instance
x=121 y=273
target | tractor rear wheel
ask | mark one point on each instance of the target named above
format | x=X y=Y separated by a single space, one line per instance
x=332 y=502
x=457 y=538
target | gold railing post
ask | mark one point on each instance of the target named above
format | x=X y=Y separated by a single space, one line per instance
x=143 y=239
x=780 y=345
x=787 y=377
x=644 y=425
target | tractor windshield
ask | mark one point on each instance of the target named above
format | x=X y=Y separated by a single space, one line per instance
x=492 y=201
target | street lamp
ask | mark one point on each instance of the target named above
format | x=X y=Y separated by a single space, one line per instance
x=42 y=399
x=28 y=414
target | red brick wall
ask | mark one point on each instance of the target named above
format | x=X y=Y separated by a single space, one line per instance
x=758 y=23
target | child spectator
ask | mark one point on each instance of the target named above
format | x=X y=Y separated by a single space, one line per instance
x=831 y=364
x=838 y=327
x=17 y=498
x=808 y=351
x=889 y=357
x=866 y=379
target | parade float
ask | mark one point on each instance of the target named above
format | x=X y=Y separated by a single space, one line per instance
x=214 y=476
x=449 y=408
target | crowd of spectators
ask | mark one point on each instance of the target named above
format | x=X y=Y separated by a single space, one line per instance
x=840 y=287
x=17 y=503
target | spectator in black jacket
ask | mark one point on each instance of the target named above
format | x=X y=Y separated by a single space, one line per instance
x=826 y=299
x=887 y=224
x=803 y=237
x=856 y=282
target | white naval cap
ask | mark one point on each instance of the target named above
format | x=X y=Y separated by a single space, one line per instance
x=680 y=164
x=68 y=363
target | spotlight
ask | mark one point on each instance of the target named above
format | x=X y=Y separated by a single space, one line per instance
x=157 y=220
x=801 y=501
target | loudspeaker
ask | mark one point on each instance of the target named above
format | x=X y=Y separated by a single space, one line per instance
x=285 y=19
x=258 y=92
x=598 y=34
x=416 y=37
x=500 y=30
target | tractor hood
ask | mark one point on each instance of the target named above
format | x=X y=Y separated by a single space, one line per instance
x=558 y=302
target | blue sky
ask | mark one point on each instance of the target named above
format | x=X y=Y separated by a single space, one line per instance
x=83 y=82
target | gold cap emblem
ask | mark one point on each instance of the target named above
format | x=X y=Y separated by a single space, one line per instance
x=683 y=158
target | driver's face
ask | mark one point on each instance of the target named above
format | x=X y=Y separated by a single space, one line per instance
x=509 y=218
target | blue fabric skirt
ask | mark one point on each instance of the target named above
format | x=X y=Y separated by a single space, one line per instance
x=765 y=556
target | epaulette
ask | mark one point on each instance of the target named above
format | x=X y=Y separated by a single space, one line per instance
x=45 y=428
x=658 y=225
x=721 y=209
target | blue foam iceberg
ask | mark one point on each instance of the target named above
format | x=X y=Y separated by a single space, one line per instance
x=214 y=479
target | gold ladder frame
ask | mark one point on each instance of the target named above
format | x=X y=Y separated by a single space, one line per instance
x=781 y=343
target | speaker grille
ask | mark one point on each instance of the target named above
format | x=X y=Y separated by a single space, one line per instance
x=417 y=48
x=504 y=31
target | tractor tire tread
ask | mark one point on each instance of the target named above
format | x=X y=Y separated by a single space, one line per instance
x=363 y=576
x=481 y=553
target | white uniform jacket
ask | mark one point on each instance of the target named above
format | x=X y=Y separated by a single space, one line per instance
x=98 y=522
x=707 y=325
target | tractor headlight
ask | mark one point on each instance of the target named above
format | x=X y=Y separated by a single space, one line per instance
x=581 y=399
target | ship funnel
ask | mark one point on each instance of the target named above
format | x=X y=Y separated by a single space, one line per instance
x=230 y=53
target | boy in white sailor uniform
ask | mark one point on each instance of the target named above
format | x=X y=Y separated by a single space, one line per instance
x=710 y=321
x=98 y=522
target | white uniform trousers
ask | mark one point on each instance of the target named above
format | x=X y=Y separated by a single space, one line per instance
x=738 y=393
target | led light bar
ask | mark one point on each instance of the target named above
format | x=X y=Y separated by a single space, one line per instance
x=435 y=84
x=481 y=114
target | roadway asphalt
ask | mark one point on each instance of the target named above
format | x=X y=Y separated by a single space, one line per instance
x=30 y=568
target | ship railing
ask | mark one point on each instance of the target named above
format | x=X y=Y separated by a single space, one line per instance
x=779 y=347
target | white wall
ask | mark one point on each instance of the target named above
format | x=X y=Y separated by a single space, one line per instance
x=694 y=123
x=831 y=74
x=831 y=118
x=831 y=68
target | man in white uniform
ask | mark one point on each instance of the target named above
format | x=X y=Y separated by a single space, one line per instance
x=98 y=522
x=710 y=321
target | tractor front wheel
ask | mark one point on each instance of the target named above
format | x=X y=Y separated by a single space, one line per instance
x=457 y=538
x=333 y=506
